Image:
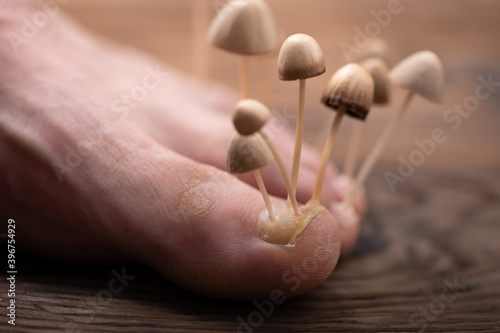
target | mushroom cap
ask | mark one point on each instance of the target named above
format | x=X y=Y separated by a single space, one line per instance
x=247 y=153
x=421 y=73
x=300 y=58
x=379 y=70
x=249 y=116
x=352 y=88
x=244 y=27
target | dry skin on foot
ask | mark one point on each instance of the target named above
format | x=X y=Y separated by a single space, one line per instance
x=151 y=189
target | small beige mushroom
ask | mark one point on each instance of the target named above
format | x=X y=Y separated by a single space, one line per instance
x=349 y=91
x=248 y=117
x=300 y=58
x=421 y=73
x=246 y=153
x=246 y=28
x=379 y=71
x=250 y=153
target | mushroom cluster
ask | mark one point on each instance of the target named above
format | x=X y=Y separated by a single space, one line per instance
x=247 y=28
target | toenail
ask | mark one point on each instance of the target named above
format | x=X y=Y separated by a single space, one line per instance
x=286 y=227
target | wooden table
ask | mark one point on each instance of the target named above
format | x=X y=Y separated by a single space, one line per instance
x=433 y=263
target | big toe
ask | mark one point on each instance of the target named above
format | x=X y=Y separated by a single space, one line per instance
x=208 y=238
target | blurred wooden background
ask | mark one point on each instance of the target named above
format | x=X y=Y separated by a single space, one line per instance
x=462 y=33
x=441 y=226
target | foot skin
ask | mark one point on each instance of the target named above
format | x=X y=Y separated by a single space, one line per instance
x=110 y=156
x=349 y=217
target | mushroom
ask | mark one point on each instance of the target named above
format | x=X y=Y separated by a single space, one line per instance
x=379 y=70
x=377 y=67
x=248 y=118
x=421 y=73
x=247 y=28
x=300 y=58
x=349 y=91
x=200 y=16
x=250 y=153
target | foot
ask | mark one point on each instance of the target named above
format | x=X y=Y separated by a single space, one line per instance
x=114 y=156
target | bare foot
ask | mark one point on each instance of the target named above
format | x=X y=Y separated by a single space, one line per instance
x=110 y=155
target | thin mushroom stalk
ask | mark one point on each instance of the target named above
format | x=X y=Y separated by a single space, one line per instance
x=300 y=58
x=245 y=77
x=349 y=92
x=199 y=24
x=249 y=116
x=353 y=149
x=265 y=195
x=421 y=73
x=325 y=156
x=377 y=150
x=284 y=173
x=246 y=28
x=299 y=134
x=377 y=67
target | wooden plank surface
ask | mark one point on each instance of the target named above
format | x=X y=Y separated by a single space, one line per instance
x=439 y=271
x=437 y=264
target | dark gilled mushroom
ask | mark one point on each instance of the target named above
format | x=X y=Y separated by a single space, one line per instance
x=377 y=67
x=349 y=91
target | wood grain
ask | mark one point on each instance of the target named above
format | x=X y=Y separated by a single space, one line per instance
x=441 y=229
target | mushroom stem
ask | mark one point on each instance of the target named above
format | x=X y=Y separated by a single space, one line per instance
x=325 y=157
x=298 y=134
x=284 y=173
x=244 y=77
x=374 y=154
x=199 y=24
x=353 y=149
x=262 y=188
